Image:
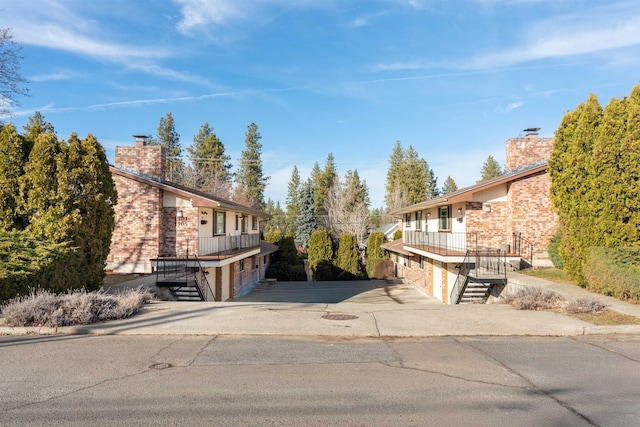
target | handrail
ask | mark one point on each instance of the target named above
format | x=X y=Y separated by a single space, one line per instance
x=461 y=280
x=227 y=244
x=444 y=243
x=200 y=283
x=518 y=242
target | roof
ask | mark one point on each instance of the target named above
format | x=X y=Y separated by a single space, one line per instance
x=396 y=246
x=267 y=248
x=198 y=198
x=465 y=194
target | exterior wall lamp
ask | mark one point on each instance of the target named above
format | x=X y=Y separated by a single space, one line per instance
x=180 y=214
x=486 y=207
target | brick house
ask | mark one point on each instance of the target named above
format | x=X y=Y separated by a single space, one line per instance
x=457 y=246
x=162 y=227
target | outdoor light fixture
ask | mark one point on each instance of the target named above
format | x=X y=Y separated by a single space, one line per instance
x=180 y=214
x=486 y=207
x=459 y=211
x=204 y=213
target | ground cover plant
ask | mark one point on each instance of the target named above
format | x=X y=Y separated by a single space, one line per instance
x=44 y=308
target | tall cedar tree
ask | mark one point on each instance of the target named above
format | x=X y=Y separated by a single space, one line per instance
x=34 y=127
x=449 y=185
x=321 y=255
x=12 y=83
x=323 y=183
x=250 y=177
x=490 y=169
x=211 y=167
x=11 y=168
x=306 y=222
x=572 y=193
x=348 y=258
x=40 y=200
x=293 y=200
x=88 y=194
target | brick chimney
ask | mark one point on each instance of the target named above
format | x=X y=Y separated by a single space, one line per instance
x=142 y=158
x=528 y=150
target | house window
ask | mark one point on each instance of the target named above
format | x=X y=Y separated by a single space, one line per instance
x=407 y=220
x=237 y=226
x=264 y=260
x=254 y=222
x=244 y=223
x=419 y=220
x=241 y=265
x=444 y=218
x=409 y=261
x=219 y=225
x=421 y=262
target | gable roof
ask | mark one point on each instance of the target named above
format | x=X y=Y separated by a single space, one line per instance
x=466 y=194
x=198 y=198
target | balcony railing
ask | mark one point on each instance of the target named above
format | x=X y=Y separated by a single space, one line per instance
x=441 y=243
x=227 y=244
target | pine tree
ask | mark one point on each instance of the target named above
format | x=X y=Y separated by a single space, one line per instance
x=409 y=178
x=348 y=258
x=170 y=140
x=449 y=185
x=490 y=169
x=250 y=177
x=306 y=222
x=396 y=160
x=12 y=159
x=211 y=167
x=322 y=185
x=293 y=200
x=277 y=223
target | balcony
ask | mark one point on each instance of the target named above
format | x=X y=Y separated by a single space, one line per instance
x=445 y=244
x=224 y=246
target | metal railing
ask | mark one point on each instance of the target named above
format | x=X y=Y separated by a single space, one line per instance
x=200 y=277
x=226 y=244
x=523 y=248
x=182 y=270
x=443 y=243
x=479 y=264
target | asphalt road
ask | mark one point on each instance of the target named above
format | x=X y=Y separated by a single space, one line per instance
x=240 y=381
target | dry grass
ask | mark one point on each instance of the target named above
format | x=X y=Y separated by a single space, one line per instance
x=551 y=274
x=608 y=318
x=43 y=308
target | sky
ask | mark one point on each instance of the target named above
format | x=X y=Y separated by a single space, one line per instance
x=454 y=79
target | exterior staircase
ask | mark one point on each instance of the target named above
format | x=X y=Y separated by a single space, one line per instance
x=479 y=273
x=184 y=278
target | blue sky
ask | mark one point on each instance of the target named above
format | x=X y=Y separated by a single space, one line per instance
x=452 y=78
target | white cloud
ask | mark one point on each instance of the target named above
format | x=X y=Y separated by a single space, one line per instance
x=200 y=13
x=55 y=76
x=512 y=106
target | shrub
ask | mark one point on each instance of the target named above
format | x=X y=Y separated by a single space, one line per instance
x=283 y=271
x=614 y=272
x=321 y=255
x=585 y=305
x=534 y=298
x=43 y=308
x=28 y=262
x=553 y=249
x=375 y=253
x=382 y=268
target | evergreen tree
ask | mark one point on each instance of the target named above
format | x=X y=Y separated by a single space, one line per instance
x=396 y=160
x=490 y=169
x=306 y=222
x=293 y=200
x=88 y=194
x=33 y=129
x=170 y=140
x=449 y=185
x=348 y=259
x=277 y=223
x=39 y=198
x=250 y=176
x=322 y=185
x=211 y=167
x=11 y=168
x=321 y=255
x=375 y=253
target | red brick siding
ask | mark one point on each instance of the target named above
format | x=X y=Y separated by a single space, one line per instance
x=179 y=234
x=137 y=223
x=526 y=151
x=491 y=227
x=148 y=159
x=530 y=212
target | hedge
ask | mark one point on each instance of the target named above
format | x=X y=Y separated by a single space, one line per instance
x=614 y=272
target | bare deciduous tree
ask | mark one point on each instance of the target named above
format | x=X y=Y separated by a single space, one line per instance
x=12 y=83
